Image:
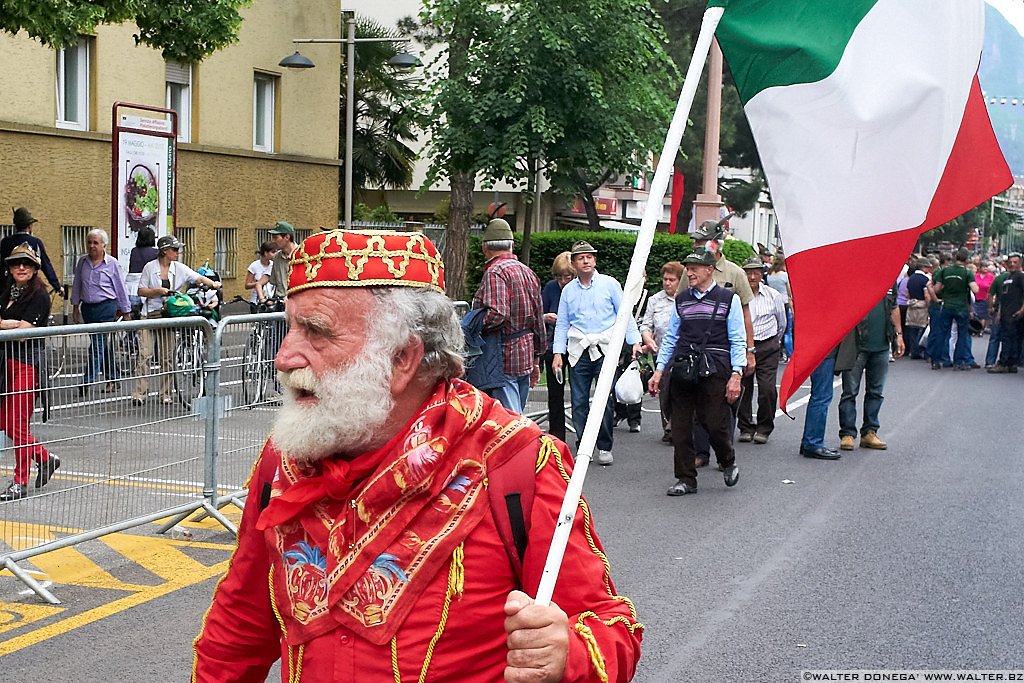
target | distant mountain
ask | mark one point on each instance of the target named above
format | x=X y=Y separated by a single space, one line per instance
x=1002 y=76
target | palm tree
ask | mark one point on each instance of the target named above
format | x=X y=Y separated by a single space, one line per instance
x=385 y=114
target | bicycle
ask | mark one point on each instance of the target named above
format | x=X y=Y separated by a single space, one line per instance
x=260 y=349
x=189 y=358
x=190 y=355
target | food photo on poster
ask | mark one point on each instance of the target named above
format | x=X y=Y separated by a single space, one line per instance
x=141 y=196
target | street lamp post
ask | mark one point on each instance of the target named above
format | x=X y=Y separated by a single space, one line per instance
x=298 y=61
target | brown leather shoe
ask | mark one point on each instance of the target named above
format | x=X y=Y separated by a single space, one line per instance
x=871 y=440
x=846 y=443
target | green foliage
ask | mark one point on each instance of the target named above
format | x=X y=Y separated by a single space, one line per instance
x=682 y=19
x=993 y=222
x=385 y=114
x=442 y=210
x=378 y=214
x=741 y=196
x=737 y=251
x=183 y=30
x=538 y=81
x=614 y=254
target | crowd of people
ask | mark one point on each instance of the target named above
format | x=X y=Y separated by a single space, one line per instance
x=719 y=333
x=102 y=292
x=403 y=535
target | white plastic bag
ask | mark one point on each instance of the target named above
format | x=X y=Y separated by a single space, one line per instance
x=630 y=388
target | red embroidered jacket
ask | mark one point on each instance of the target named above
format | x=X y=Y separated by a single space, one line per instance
x=447 y=636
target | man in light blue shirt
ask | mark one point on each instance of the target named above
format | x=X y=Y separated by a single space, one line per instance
x=586 y=313
x=707 y=327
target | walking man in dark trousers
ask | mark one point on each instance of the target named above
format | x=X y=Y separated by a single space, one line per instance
x=768 y=316
x=707 y=322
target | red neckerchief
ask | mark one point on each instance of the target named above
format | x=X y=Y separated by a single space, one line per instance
x=329 y=478
x=362 y=558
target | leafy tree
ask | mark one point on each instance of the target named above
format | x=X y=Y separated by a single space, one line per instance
x=184 y=30
x=578 y=89
x=385 y=114
x=378 y=214
x=466 y=31
x=682 y=19
x=995 y=222
x=576 y=103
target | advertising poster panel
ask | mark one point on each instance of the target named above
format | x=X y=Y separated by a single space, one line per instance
x=143 y=179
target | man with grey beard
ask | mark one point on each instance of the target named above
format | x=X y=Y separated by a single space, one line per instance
x=371 y=547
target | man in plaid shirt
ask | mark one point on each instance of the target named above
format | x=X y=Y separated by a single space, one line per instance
x=511 y=293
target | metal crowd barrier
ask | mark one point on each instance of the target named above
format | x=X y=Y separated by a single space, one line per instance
x=131 y=454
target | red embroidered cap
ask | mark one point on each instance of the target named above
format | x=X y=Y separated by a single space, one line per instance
x=366 y=258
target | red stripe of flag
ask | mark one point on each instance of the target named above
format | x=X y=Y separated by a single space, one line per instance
x=835 y=286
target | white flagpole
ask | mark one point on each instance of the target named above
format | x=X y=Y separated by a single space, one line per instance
x=634 y=284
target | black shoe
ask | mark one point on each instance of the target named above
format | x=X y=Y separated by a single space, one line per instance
x=936 y=366
x=634 y=428
x=46 y=470
x=14 y=492
x=731 y=475
x=667 y=437
x=1012 y=369
x=820 y=453
x=680 y=489
x=701 y=461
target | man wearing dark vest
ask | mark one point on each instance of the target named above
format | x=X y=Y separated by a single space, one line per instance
x=707 y=318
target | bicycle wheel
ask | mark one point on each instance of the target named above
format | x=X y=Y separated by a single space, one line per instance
x=188 y=366
x=252 y=387
x=126 y=352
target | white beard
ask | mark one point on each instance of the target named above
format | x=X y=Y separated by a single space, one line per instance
x=354 y=404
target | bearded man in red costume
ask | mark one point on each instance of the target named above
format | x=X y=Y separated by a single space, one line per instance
x=370 y=548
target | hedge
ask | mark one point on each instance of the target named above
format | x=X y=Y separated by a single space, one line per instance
x=614 y=252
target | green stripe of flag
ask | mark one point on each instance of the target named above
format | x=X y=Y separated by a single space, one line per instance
x=783 y=42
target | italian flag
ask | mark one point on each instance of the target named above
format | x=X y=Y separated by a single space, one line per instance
x=871 y=128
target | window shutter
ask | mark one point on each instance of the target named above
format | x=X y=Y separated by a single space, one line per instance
x=178 y=73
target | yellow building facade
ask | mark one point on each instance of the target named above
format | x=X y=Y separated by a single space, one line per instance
x=257 y=143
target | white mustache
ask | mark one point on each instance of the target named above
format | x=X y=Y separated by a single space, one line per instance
x=302 y=379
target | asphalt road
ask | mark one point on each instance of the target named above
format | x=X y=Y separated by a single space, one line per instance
x=908 y=558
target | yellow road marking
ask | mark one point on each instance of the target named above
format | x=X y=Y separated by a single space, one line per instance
x=16 y=615
x=65 y=565
x=114 y=480
x=161 y=556
x=103 y=611
x=162 y=559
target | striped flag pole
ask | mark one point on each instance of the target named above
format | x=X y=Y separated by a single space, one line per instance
x=631 y=293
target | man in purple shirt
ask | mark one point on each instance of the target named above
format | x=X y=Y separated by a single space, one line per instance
x=98 y=295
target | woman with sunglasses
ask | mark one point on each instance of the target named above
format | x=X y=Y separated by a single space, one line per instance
x=24 y=303
x=159 y=278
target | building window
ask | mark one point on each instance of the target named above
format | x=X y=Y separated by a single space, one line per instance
x=6 y=229
x=225 y=251
x=186 y=237
x=263 y=107
x=179 y=96
x=72 y=247
x=73 y=86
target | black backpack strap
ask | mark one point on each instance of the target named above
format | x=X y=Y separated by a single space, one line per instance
x=517 y=521
x=510 y=492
